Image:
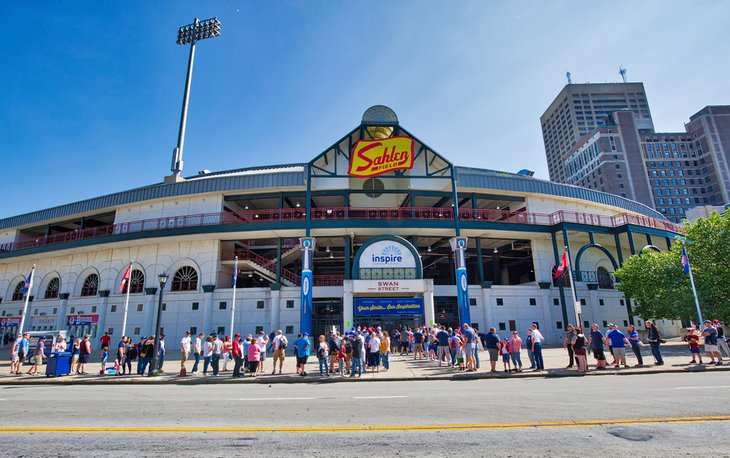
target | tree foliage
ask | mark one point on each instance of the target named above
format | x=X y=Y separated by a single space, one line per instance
x=658 y=284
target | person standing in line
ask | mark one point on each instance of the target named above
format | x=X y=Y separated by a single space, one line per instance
x=254 y=356
x=301 y=346
x=618 y=344
x=374 y=352
x=515 y=346
x=197 y=351
x=121 y=355
x=537 y=341
x=207 y=353
x=469 y=348
x=568 y=341
x=14 y=355
x=60 y=345
x=528 y=346
x=323 y=357
x=721 y=340
x=597 y=343
x=492 y=344
x=244 y=350
x=693 y=341
x=145 y=355
x=608 y=342
x=443 y=346
x=38 y=356
x=655 y=340
x=104 y=358
x=385 y=351
x=504 y=350
x=184 y=352
x=75 y=348
x=342 y=355
x=84 y=355
x=454 y=343
x=130 y=354
x=215 y=357
x=710 y=335
x=358 y=351
x=161 y=354
x=635 y=341
x=262 y=341
x=23 y=352
x=105 y=340
x=418 y=344
x=226 y=352
x=279 y=344
x=404 y=341
x=579 y=350
x=333 y=347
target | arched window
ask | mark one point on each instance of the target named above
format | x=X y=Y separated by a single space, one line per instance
x=91 y=285
x=605 y=281
x=185 y=279
x=18 y=293
x=52 y=289
x=137 y=281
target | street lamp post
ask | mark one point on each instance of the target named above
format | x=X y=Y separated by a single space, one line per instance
x=163 y=280
x=190 y=34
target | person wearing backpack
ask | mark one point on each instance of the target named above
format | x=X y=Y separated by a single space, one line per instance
x=323 y=356
x=279 y=344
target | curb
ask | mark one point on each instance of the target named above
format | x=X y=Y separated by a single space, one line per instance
x=292 y=379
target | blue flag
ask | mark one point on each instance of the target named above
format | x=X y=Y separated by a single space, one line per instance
x=685 y=262
x=235 y=273
x=28 y=283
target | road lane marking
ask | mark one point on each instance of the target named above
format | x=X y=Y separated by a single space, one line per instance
x=701 y=387
x=276 y=399
x=378 y=397
x=371 y=428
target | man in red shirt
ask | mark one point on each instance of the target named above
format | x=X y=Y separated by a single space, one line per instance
x=105 y=339
x=237 y=355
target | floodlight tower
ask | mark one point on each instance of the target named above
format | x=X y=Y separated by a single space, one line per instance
x=191 y=33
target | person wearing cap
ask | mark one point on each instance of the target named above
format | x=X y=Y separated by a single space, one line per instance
x=263 y=341
x=184 y=350
x=358 y=351
x=635 y=341
x=38 y=356
x=721 y=340
x=197 y=351
x=710 y=335
x=301 y=346
x=279 y=344
x=217 y=351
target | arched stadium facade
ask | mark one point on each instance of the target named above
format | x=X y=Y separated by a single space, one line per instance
x=377 y=229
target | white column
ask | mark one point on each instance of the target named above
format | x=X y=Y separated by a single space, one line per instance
x=208 y=314
x=347 y=306
x=487 y=305
x=275 y=318
x=428 y=310
x=149 y=311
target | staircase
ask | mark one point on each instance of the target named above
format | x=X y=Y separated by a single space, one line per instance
x=267 y=267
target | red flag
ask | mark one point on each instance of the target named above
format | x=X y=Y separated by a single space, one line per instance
x=562 y=266
x=125 y=279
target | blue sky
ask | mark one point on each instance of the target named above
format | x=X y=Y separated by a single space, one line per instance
x=90 y=94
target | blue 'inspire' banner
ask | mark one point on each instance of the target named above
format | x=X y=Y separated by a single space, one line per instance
x=389 y=306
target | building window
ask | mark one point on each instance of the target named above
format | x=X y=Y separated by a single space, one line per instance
x=559 y=324
x=164 y=307
x=289 y=330
x=622 y=302
x=586 y=325
x=222 y=305
x=605 y=323
x=582 y=302
x=556 y=301
x=137 y=331
x=139 y=307
x=259 y=329
x=600 y=302
x=604 y=278
x=259 y=304
x=52 y=288
x=18 y=292
x=193 y=330
x=110 y=331
x=136 y=279
x=472 y=301
x=91 y=285
x=500 y=301
x=93 y=309
x=502 y=327
x=185 y=279
x=290 y=304
x=73 y=310
x=113 y=309
x=222 y=331
x=533 y=301
x=196 y=305
x=55 y=311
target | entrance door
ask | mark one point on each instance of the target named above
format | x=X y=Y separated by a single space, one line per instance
x=326 y=313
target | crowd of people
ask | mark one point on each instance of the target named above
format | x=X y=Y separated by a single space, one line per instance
x=365 y=348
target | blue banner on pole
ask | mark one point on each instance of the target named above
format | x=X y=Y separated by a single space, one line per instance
x=306 y=313
x=388 y=306
x=462 y=289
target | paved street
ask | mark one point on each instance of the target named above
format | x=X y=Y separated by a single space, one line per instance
x=621 y=415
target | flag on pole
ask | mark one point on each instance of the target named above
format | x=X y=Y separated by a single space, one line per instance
x=125 y=278
x=235 y=272
x=28 y=283
x=685 y=261
x=562 y=266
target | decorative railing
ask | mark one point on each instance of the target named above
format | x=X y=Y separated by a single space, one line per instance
x=604 y=280
x=341 y=214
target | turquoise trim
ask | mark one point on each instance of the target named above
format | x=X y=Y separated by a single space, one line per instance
x=600 y=247
x=394 y=238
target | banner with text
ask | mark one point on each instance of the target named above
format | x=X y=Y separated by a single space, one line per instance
x=388 y=306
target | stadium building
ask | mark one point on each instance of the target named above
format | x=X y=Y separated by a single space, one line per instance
x=377 y=229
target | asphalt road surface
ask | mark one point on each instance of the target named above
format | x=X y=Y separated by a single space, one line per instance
x=659 y=415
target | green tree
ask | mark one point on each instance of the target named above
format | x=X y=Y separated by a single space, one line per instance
x=658 y=284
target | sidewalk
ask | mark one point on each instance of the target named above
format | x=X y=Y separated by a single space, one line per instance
x=675 y=353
